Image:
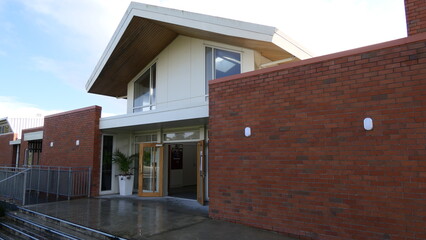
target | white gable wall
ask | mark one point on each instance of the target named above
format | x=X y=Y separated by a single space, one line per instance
x=180 y=73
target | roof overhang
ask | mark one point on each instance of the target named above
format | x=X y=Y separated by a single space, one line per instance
x=15 y=142
x=38 y=135
x=146 y=30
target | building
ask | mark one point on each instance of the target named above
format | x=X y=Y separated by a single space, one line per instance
x=10 y=140
x=314 y=166
x=161 y=61
x=331 y=147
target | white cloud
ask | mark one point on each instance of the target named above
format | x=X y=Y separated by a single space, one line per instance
x=88 y=23
x=86 y=26
x=69 y=72
x=11 y=107
x=323 y=26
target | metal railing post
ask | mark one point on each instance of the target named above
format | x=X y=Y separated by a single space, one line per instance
x=48 y=183
x=14 y=187
x=24 y=188
x=57 y=186
x=89 y=182
x=38 y=184
x=69 y=183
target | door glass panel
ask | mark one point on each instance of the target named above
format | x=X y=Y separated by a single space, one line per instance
x=107 y=163
x=151 y=169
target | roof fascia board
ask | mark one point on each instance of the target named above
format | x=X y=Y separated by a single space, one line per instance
x=186 y=19
x=198 y=20
x=122 y=26
x=285 y=42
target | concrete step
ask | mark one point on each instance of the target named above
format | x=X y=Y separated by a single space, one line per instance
x=47 y=227
x=5 y=235
x=19 y=231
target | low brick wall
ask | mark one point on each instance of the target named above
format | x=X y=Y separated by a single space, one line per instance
x=415 y=11
x=310 y=169
x=63 y=130
x=6 y=150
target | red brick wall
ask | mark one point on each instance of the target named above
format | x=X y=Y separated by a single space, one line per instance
x=310 y=169
x=24 y=145
x=6 y=150
x=415 y=11
x=63 y=130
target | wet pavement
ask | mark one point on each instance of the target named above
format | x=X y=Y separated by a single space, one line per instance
x=150 y=218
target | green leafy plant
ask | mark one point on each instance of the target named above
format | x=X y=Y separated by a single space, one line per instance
x=124 y=162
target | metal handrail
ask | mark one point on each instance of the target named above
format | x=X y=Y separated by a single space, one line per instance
x=41 y=180
x=22 y=172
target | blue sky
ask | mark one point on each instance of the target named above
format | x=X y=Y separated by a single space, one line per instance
x=49 y=48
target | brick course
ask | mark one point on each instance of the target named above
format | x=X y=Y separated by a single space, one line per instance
x=6 y=150
x=310 y=169
x=64 y=129
x=24 y=146
x=415 y=11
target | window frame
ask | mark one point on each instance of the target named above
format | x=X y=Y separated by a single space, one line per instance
x=213 y=65
x=152 y=68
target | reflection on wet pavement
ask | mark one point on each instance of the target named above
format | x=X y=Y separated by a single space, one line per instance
x=149 y=218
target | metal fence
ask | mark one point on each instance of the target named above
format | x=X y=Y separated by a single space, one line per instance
x=34 y=184
x=12 y=183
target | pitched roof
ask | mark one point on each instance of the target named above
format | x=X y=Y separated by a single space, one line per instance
x=145 y=30
x=18 y=124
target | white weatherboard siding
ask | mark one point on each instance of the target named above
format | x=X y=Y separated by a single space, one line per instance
x=154 y=117
x=198 y=22
x=181 y=73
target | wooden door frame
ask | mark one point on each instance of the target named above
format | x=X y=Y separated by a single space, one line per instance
x=140 y=172
x=201 y=172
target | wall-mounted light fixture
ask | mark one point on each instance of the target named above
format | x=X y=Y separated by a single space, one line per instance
x=51 y=144
x=368 y=124
x=247 y=131
x=77 y=142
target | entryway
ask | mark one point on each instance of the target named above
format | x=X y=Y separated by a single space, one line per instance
x=182 y=170
x=172 y=169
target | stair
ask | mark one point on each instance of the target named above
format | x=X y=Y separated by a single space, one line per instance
x=27 y=224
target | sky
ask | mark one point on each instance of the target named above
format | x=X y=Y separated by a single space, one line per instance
x=49 y=48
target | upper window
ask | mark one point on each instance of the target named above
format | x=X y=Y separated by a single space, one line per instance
x=4 y=129
x=221 y=63
x=144 y=91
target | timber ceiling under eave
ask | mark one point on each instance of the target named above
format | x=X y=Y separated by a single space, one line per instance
x=267 y=49
x=141 y=42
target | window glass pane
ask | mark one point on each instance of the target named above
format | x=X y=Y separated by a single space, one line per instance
x=187 y=135
x=142 y=90
x=146 y=138
x=209 y=63
x=153 y=83
x=209 y=67
x=227 y=63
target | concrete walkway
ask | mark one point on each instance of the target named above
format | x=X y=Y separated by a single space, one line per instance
x=150 y=218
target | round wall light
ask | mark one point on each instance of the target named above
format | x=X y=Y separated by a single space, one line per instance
x=247 y=131
x=368 y=124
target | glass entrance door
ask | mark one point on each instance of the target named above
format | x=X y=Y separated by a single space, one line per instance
x=150 y=170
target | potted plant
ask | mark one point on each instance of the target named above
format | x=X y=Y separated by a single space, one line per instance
x=125 y=178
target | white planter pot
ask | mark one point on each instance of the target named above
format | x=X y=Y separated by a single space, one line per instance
x=125 y=185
